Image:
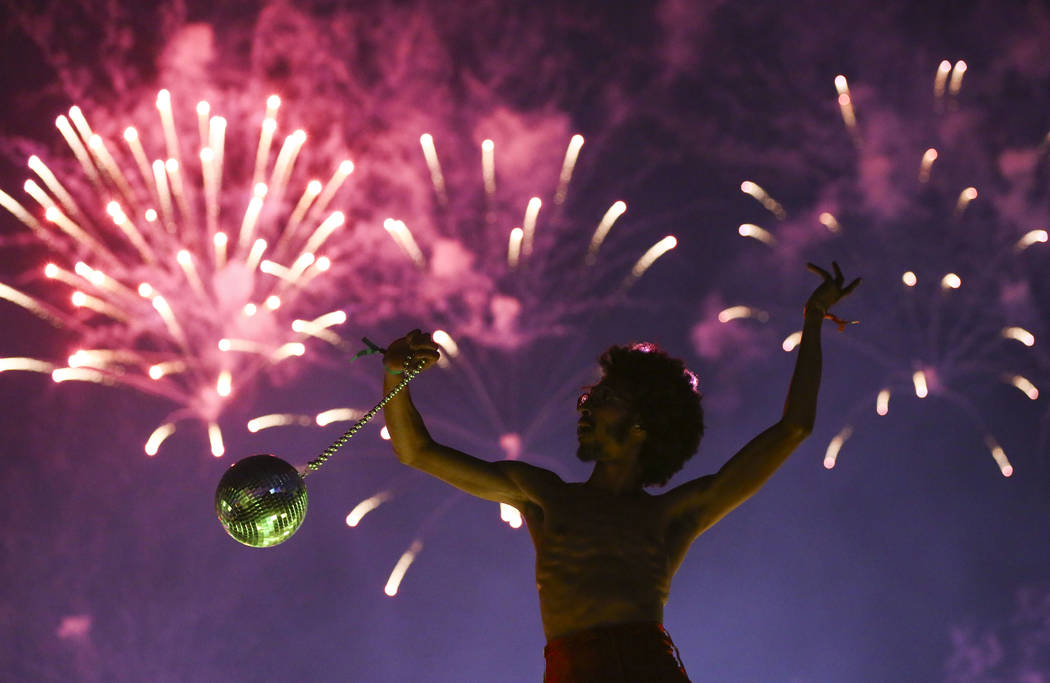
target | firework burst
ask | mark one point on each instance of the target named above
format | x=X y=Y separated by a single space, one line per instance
x=182 y=293
x=947 y=301
x=178 y=279
x=205 y=256
x=533 y=282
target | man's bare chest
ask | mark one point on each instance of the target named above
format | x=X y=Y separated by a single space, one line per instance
x=594 y=527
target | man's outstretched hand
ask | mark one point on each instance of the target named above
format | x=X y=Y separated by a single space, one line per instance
x=416 y=344
x=829 y=292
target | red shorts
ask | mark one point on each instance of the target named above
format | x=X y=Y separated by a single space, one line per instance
x=636 y=652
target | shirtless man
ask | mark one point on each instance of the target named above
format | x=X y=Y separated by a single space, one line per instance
x=606 y=550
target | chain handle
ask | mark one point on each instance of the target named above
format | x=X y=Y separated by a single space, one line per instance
x=410 y=371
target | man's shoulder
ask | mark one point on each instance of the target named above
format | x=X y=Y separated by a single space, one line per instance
x=532 y=479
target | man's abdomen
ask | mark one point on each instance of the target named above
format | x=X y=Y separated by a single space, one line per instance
x=579 y=589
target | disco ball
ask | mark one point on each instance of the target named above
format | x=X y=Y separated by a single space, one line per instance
x=261 y=501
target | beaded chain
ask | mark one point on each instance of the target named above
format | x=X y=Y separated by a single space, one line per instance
x=409 y=373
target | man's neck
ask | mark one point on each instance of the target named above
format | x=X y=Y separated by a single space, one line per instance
x=616 y=478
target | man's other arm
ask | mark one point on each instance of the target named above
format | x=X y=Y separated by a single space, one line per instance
x=702 y=502
x=505 y=481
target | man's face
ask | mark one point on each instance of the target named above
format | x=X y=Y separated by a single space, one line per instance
x=605 y=422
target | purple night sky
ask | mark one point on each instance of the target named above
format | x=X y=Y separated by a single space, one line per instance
x=912 y=559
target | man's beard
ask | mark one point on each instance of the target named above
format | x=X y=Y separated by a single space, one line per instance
x=588 y=452
x=591 y=451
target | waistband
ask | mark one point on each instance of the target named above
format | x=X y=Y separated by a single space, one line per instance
x=610 y=631
x=631 y=651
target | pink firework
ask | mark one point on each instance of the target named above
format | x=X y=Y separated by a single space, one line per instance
x=172 y=285
x=186 y=275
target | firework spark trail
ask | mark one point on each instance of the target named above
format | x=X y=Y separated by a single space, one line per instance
x=172 y=306
x=952 y=306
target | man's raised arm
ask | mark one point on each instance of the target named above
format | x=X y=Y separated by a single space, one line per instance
x=707 y=499
x=503 y=481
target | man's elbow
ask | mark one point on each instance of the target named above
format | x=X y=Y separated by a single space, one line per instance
x=404 y=455
x=410 y=452
x=796 y=431
x=407 y=454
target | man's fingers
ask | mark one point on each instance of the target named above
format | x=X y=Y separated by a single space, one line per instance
x=837 y=278
x=420 y=340
x=426 y=344
x=426 y=356
x=814 y=268
x=419 y=345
